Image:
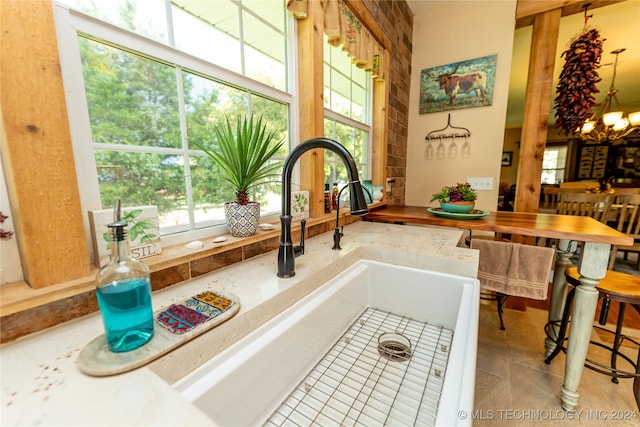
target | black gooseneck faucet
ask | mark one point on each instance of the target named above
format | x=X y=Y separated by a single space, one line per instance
x=287 y=252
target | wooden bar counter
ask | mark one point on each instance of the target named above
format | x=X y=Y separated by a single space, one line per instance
x=596 y=239
x=567 y=227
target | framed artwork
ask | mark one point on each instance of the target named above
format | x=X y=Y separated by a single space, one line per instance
x=507 y=156
x=463 y=84
x=144 y=232
x=592 y=161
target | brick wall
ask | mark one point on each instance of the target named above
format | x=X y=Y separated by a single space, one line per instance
x=396 y=20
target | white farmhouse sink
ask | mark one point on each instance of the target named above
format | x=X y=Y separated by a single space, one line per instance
x=321 y=355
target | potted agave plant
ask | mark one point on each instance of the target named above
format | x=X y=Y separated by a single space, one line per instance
x=244 y=158
x=459 y=198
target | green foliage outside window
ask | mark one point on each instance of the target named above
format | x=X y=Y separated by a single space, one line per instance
x=354 y=140
x=134 y=107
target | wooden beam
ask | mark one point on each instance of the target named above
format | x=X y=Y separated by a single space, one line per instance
x=536 y=111
x=311 y=104
x=526 y=10
x=379 y=142
x=36 y=147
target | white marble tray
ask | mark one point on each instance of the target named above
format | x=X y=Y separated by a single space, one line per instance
x=97 y=360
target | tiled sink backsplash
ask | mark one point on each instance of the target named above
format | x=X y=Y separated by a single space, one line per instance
x=165 y=271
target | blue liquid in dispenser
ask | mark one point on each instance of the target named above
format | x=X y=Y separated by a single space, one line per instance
x=127 y=313
x=123 y=290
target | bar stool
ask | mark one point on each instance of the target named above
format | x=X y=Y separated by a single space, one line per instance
x=617 y=286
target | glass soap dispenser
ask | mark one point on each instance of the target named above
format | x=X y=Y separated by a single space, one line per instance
x=124 y=294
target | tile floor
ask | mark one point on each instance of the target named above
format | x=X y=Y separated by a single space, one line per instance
x=515 y=387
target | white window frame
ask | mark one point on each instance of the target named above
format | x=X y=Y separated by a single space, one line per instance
x=332 y=115
x=69 y=23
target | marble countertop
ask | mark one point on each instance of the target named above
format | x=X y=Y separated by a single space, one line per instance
x=41 y=384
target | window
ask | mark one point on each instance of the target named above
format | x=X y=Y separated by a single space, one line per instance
x=347 y=102
x=554 y=164
x=155 y=74
x=243 y=36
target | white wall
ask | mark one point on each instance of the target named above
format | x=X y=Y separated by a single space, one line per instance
x=457 y=31
x=10 y=264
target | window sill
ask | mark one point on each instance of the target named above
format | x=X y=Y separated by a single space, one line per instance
x=24 y=310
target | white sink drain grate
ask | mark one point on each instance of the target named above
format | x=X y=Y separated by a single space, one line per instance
x=359 y=384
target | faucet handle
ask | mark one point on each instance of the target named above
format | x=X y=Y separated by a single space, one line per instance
x=337 y=235
x=299 y=250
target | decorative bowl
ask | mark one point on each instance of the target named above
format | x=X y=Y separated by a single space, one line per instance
x=458 y=207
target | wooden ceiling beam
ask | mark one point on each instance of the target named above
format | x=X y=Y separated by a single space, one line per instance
x=526 y=10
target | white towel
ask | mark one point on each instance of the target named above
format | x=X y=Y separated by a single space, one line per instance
x=513 y=268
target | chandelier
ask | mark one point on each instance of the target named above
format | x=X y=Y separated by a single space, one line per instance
x=607 y=125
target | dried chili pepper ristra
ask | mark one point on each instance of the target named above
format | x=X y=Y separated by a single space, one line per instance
x=576 y=89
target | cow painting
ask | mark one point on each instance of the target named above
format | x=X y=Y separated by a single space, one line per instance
x=461 y=85
x=452 y=84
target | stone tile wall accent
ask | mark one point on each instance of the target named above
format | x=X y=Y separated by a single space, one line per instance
x=396 y=20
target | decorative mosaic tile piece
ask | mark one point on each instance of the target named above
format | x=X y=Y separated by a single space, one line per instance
x=188 y=314
x=214 y=299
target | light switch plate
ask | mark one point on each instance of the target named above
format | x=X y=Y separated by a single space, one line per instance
x=481 y=184
x=388 y=186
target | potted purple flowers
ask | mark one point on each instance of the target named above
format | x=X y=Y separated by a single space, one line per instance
x=459 y=198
